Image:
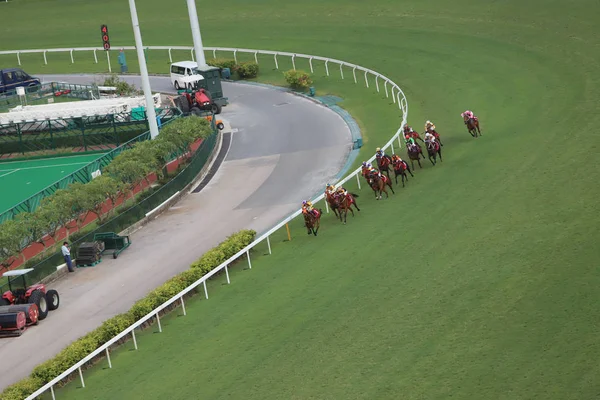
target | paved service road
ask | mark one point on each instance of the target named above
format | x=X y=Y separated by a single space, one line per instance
x=285 y=149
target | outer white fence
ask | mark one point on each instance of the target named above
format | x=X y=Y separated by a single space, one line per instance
x=390 y=88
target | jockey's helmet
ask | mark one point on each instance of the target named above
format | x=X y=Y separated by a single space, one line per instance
x=304 y=203
x=428 y=123
x=378 y=149
x=364 y=163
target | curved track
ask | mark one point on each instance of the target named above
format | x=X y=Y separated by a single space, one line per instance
x=285 y=149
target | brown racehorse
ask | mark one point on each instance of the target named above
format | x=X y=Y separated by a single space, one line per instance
x=383 y=164
x=378 y=184
x=344 y=204
x=473 y=126
x=400 y=168
x=312 y=221
x=433 y=149
x=330 y=197
x=414 y=154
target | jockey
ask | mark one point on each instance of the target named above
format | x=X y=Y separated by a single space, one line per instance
x=330 y=189
x=429 y=138
x=467 y=115
x=379 y=153
x=429 y=126
x=409 y=140
x=342 y=191
x=408 y=129
x=307 y=207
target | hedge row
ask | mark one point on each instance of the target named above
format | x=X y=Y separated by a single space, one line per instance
x=245 y=70
x=79 y=349
x=119 y=178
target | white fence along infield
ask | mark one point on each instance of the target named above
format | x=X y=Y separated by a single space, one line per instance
x=390 y=88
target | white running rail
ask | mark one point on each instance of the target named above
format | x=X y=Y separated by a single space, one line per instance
x=391 y=90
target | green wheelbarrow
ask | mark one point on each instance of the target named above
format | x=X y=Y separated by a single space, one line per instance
x=113 y=243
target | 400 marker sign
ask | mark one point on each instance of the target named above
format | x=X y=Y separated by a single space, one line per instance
x=105 y=38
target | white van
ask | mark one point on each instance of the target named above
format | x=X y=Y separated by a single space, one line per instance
x=184 y=74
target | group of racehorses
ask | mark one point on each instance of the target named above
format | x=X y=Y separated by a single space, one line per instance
x=341 y=201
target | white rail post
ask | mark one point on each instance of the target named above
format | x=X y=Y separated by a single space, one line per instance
x=358 y=180
x=342 y=70
x=45 y=59
x=294 y=61
x=399 y=142
x=312 y=71
x=205 y=290
x=235 y=56
x=95 y=57
x=385 y=87
x=256 y=57
x=366 y=80
x=81 y=377
x=108 y=59
x=170 y=56
x=327 y=206
x=399 y=105
x=108 y=358
x=183 y=306
x=214 y=53
x=354 y=74
x=134 y=340
x=52 y=392
x=227 y=275
x=392 y=146
x=269 y=244
x=72 y=59
x=249 y=262
x=276 y=63
x=377 y=82
x=192 y=53
x=327 y=67
x=18 y=58
x=158 y=320
x=393 y=95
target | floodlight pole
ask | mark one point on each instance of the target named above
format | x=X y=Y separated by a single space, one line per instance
x=150 y=112
x=198 y=48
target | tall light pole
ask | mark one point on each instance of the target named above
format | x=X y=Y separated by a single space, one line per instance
x=198 y=48
x=150 y=113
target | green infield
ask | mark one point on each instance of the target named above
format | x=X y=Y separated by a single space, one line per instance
x=21 y=179
x=476 y=281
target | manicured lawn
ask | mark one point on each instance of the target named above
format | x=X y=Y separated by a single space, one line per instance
x=477 y=281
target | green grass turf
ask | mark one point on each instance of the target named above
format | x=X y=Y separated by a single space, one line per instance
x=21 y=179
x=477 y=281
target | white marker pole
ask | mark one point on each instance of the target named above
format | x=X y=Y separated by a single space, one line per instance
x=198 y=48
x=150 y=113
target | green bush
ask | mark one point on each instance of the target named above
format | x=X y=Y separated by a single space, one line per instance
x=79 y=349
x=222 y=63
x=247 y=70
x=21 y=389
x=298 y=79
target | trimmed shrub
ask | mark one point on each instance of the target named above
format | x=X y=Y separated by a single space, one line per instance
x=247 y=70
x=298 y=79
x=222 y=63
x=21 y=389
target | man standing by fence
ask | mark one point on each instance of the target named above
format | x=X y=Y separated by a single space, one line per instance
x=66 y=252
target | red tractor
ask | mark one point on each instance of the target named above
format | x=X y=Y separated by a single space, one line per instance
x=34 y=301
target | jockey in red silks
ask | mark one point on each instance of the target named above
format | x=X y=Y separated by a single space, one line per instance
x=307 y=207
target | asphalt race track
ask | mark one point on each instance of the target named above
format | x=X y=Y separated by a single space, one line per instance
x=284 y=149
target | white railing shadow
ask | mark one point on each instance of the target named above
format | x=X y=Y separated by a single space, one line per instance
x=390 y=88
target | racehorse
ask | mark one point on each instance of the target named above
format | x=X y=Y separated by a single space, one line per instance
x=378 y=185
x=473 y=126
x=312 y=221
x=400 y=168
x=433 y=149
x=330 y=197
x=344 y=204
x=414 y=154
x=383 y=164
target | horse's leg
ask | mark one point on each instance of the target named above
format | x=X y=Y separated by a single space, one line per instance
x=432 y=162
x=440 y=153
x=403 y=175
x=409 y=171
x=396 y=176
x=355 y=205
x=315 y=230
x=391 y=188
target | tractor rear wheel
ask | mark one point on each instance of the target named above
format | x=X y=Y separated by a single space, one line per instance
x=52 y=299
x=38 y=298
x=196 y=111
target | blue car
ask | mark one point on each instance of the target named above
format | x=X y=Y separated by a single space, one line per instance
x=12 y=78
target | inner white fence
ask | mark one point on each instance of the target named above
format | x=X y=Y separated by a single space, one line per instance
x=365 y=75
